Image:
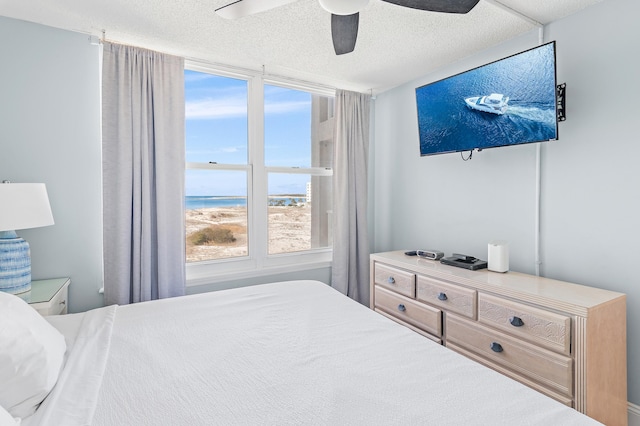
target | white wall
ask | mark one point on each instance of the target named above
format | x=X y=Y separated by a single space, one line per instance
x=50 y=132
x=590 y=179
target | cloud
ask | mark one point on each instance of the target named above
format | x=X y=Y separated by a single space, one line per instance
x=216 y=150
x=234 y=106
x=230 y=149
x=285 y=107
x=230 y=107
x=194 y=76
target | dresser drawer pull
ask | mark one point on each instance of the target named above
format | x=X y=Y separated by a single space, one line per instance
x=516 y=322
x=391 y=280
x=442 y=296
x=402 y=308
x=496 y=347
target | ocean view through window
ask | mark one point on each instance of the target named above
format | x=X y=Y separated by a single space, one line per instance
x=249 y=194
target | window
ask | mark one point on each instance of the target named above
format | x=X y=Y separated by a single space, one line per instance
x=258 y=174
x=217 y=179
x=298 y=151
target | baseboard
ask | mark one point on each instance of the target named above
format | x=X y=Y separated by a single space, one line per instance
x=634 y=415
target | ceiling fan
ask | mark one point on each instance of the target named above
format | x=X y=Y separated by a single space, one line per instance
x=344 y=14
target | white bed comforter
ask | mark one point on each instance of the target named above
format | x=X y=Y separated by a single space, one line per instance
x=289 y=353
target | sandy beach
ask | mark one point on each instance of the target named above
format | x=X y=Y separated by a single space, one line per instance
x=289 y=231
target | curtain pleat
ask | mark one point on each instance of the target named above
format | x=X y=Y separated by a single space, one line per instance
x=143 y=174
x=350 y=265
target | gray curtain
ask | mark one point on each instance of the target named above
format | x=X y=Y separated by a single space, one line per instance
x=350 y=266
x=143 y=174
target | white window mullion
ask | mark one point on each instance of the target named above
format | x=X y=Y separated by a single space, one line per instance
x=314 y=171
x=258 y=223
x=216 y=166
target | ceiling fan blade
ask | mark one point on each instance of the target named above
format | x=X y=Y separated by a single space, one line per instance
x=446 y=6
x=344 y=31
x=241 y=8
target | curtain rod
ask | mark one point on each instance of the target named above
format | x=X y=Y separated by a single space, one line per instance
x=95 y=40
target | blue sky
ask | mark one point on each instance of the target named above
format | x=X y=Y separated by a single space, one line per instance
x=216 y=130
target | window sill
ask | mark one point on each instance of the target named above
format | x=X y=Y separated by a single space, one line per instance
x=206 y=274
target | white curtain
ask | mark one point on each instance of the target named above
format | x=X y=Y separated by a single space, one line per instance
x=350 y=266
x=143 y=174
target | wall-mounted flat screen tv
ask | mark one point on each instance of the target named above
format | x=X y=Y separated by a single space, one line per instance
x=507 y=102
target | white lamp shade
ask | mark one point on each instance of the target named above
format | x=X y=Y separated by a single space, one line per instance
x=343 y=7
x=23 y=206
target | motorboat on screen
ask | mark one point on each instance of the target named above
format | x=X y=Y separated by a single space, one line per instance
x=495 y=103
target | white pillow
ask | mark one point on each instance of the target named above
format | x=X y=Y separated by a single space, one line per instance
x=31 y=356
x=7 y=419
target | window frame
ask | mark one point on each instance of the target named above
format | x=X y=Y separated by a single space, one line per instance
x=258 y=262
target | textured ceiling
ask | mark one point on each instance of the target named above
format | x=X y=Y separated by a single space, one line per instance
x=395 y=44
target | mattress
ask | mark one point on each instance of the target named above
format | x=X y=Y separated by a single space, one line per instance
x=289 y=353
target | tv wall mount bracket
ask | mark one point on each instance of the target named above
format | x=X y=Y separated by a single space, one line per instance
x=561 y=90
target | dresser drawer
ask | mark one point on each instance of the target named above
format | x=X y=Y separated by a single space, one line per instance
x=550 y=369
x=397 y=280
x=421 y=316
x=544 y=328
x=451 y=298
x=566 y=400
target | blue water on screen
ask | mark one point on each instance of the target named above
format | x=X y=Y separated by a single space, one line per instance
x=446 y=124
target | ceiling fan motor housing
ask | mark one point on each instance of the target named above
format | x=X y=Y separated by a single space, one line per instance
x=343 y=7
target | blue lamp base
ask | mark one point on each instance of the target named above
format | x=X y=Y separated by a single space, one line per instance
x=15 y=263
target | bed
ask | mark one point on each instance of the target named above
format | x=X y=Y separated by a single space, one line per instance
x=288 y=353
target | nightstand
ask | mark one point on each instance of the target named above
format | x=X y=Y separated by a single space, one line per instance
x=49 y=297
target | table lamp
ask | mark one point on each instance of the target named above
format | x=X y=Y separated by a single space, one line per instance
x=22 y=206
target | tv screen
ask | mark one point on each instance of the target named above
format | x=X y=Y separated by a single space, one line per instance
x=507 y=102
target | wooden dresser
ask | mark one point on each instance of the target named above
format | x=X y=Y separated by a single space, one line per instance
x=565 y=340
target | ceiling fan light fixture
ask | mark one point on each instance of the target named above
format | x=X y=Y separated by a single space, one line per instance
x=343 y=7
